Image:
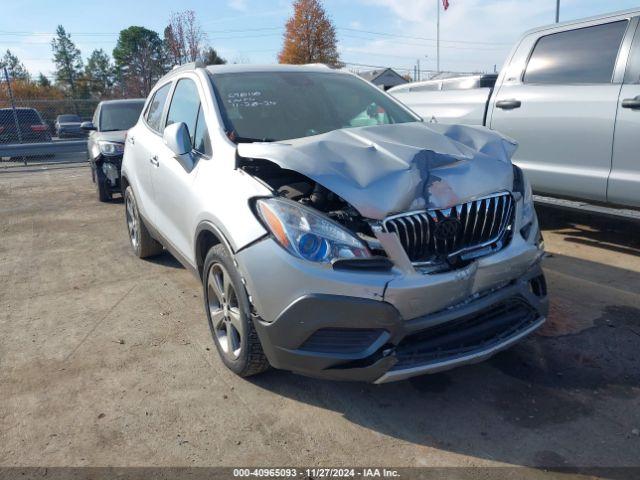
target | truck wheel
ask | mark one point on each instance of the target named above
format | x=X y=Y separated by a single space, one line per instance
x=228 y=312
x=143 y=244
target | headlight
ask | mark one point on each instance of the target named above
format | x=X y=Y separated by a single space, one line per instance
x=522 y=185
x=308 y=234
x=111 y=148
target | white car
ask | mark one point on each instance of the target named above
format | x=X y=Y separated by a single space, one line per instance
x=335 y=234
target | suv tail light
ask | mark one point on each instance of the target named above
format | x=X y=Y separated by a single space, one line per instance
x=39 y=128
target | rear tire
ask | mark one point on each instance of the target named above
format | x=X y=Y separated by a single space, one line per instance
x=228 y=312
x=142 y=243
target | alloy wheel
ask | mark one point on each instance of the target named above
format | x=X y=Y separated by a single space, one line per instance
x=224 y=311
x=132 y=220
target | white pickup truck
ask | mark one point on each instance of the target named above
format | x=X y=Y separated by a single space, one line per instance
x=569 y=94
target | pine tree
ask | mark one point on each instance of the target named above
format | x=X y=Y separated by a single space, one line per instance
x=68 y=62
x=15 y=68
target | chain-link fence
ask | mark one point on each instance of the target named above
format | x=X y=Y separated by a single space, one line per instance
x=35 y=128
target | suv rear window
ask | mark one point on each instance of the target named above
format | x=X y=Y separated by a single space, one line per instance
x=29 y=116
x=584 y=55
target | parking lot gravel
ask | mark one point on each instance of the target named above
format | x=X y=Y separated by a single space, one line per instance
x=107 y=360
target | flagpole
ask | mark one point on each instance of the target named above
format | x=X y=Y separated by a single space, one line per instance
x=438 y=37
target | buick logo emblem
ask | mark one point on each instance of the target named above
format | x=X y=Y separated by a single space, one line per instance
x=447 y=229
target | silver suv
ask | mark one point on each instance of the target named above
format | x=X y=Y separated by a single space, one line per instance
x=335 y=234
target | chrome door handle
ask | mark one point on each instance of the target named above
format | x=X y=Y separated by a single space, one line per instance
x=508 y=104
x=632 y=103
x=154 y=161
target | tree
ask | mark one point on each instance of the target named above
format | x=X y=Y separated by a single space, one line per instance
x=99 y=73
x=183 y=38
x=15 y=68
x=139 y=60
x=43 y=81
x=68 y=62
x=211 y=57
x=310 y=36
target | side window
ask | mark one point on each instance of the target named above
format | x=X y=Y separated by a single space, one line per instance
x=156 y=107
x=96 y=118
x=632 y=75
x=585 y=55
x=201 y=140
x=185 y=105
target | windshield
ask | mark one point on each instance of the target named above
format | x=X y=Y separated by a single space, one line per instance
x=119 y=116
x=68 y=118
x=272 y=106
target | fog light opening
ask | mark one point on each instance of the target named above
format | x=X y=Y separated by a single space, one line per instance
x=538 y=286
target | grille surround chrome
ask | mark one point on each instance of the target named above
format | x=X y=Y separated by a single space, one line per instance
x=415 y=230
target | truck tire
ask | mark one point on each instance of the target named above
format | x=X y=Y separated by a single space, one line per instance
x=228 y=313
x=142 y=243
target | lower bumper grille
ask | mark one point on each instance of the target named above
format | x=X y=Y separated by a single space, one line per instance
x=466 y=335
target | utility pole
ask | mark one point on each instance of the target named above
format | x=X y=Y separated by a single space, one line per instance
x=557 y=11
x=438 y=36
x=419 y=72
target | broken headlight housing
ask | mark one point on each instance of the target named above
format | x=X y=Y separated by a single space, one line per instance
x=306 y=233
x=110 y=149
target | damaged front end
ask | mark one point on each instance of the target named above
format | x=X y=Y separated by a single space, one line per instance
x=406 y=249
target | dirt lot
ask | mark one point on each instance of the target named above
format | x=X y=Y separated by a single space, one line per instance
x=107 y=360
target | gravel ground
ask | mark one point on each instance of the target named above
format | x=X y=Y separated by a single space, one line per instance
x=106 y=360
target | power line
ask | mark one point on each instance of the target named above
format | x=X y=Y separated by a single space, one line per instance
x=387 y=34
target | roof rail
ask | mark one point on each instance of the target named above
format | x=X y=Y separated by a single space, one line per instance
x=182 y=68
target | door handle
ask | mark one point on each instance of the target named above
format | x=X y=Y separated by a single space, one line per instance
x=154 y=161
x=132 y=140
x=508 y=104
x=632 y=103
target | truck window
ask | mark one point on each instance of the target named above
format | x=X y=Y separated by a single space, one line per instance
x=584 y=55
x=632 y=75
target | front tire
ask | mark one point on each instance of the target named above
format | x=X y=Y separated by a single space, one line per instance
x=104 y=194
x=142 y=243
x=228 y=313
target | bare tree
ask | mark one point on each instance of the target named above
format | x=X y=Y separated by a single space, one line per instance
x=184 y=38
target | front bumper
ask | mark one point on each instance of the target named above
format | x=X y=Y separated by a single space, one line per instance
x=386 y=326
x=108 y=170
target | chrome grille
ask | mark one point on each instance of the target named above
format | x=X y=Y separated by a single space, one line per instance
x=433 y=235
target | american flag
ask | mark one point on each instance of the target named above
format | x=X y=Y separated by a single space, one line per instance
x=445 y=4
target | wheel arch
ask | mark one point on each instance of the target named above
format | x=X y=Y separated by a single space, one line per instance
x=207 y=236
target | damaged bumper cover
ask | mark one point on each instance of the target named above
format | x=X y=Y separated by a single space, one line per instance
x=380 y=326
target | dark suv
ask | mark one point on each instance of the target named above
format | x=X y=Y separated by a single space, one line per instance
x=30 y=129
x=105 y=145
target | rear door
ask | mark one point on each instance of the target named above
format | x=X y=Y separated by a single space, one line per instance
x=561 y=108
x=624 y=180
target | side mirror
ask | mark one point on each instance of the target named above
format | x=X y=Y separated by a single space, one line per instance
x=176 y=137
x=87 y=126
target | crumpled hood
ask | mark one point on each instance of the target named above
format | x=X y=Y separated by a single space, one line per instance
x=387 y=169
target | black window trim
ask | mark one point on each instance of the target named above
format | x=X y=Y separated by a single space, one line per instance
x=614 y=73
x=634 y=30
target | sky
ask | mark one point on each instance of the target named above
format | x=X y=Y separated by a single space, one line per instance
x=476 y=35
